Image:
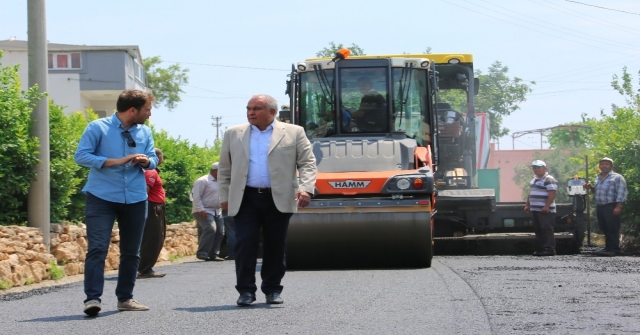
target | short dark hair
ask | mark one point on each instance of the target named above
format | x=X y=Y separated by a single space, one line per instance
x=133 y=98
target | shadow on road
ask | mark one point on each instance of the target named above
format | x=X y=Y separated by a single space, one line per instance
x=224 y=308
x=70 y=317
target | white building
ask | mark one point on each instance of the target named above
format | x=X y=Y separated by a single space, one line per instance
x=82 y=76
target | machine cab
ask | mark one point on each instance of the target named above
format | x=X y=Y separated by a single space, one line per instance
x=365 y=96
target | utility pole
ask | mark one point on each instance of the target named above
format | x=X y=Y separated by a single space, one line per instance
x=217 y=124
x=39 y=207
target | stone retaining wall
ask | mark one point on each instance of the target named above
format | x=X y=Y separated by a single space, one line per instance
x=24 y=260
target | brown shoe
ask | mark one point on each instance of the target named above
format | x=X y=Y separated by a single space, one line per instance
x=131 y=305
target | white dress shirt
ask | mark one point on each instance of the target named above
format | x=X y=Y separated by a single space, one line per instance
x=205 y=195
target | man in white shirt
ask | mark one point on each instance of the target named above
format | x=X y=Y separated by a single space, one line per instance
x=205 y=210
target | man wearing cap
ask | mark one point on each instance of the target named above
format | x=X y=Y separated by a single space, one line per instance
x=610 y=191
x=541 y=204
x=206 y=211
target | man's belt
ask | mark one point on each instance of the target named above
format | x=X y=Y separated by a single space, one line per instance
x=257 y=189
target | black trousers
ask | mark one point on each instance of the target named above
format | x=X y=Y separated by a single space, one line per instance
x=609 y=225
x=155 y=231
x=543 y=227
x=259 y=211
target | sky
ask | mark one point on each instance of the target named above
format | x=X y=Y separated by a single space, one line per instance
x=235 y=49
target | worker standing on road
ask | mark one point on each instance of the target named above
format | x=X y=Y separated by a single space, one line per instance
x=155 y=230
x=610 y=193
x=206 y=210
x=541 y=204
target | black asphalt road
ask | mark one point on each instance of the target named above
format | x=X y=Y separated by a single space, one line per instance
x=578 y=294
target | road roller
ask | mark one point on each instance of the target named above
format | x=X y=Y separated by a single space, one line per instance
x=372 y=123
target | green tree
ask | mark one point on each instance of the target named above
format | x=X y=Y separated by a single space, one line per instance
x=63 y=141
x=331 y=50
x=183 y=163
x=76 y=122
x=568 y=135
x=562 y=164
x=500 y=96
x=18 y=149
x=616 y=136
x=624 y=86
x=166 y=83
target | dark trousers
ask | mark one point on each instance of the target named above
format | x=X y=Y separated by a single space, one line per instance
x=609 y=225
x=543 y=227
x=100 y=216
x=230 y=233
x=259 y=211
x=155 y=231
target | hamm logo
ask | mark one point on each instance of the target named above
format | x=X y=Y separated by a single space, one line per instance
x=350 y=184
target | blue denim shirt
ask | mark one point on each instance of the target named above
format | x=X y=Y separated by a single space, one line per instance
x=103 y=139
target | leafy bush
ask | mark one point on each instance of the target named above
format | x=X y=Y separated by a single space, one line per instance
x=184 y=161
x=183 y=164
x=18 y=150
x=56 y=271
x=5 y=285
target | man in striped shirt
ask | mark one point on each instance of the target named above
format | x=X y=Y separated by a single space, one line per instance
x=541 y=204
x=610 y=192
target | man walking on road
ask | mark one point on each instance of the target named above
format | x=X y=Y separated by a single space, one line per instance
x=267 y=171
x=206 y=211
x=116 y=149
x=610 y=192
x=155 y=230
x=541 y=204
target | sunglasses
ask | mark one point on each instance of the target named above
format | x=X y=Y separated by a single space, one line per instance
x=130 y=142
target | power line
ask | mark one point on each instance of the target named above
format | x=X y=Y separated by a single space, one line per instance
x=228 y=66
x=589 y=36
x=573 y=13
x=542 y=32
x=615 y=10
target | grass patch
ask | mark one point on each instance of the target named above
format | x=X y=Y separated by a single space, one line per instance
x=56 y=271
x=29 y=281
x=5 y=285
x=173 y=258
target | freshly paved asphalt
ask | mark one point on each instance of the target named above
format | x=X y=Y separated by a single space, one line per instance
x=577 y=294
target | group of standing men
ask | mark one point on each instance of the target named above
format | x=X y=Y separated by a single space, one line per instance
x=266 y=171
x=609 y=191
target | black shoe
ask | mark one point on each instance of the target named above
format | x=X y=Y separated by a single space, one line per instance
x=246 y=299
x=204 y=258
x=274 y=298
x=545 y=252
x=229 y=258
x=606 y=253
x=152 y=274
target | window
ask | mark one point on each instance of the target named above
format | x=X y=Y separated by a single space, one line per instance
x=63 y=61
x=130 y=66
x=139 y=72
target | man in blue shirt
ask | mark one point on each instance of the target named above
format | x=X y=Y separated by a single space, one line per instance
x=610 y=192
x=116 y=149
